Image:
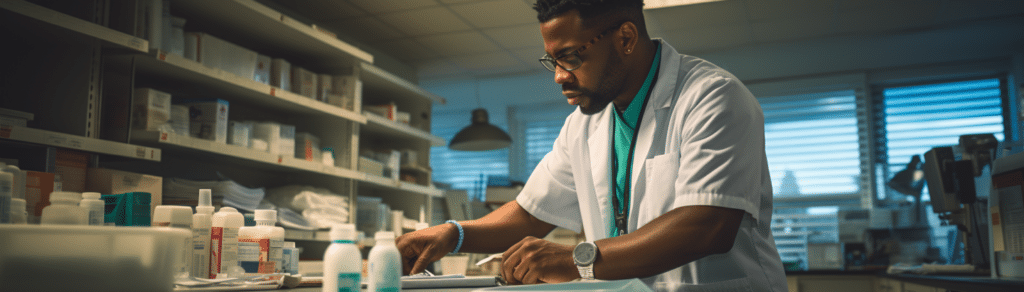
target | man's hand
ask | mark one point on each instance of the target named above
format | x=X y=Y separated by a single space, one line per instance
x=535 y=260
x=426 y=246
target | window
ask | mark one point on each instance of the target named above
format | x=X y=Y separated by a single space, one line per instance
x=465 y=170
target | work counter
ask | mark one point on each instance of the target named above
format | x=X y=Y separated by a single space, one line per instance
x=879 y=281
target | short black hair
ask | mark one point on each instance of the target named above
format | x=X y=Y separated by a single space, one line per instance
x=591 y=10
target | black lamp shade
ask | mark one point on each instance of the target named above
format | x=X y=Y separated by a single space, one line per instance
x=480 y=135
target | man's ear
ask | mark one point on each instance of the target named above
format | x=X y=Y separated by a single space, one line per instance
x=629 y=35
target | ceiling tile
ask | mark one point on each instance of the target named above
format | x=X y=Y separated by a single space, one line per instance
x=488 y=61
x=457 y=44
x=320 y=10
x=437 y=68
x=425 y=21
x=708 y=38
x=789 y=9
x=378 y=6
x=697 y=16
x=497 y=13
x=367 y=29
x=407 y=50
x=517 y=36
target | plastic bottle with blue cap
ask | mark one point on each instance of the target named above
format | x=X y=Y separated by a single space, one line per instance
x=343 y=264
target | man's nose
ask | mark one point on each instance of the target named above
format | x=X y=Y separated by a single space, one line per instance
x=562 y=76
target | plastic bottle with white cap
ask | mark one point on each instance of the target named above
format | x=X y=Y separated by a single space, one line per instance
x=384 y=270
x=91 y=203
x=19 y=211
x=64 y=209
x=201 y=224
x=343 y=264
x=224 y=243
x=177 y=217
x=257 y=245
x=19 y=176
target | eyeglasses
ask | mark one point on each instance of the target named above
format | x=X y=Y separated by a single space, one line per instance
x=571 y=61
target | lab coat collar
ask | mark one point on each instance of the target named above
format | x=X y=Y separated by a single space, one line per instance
x=658 y=108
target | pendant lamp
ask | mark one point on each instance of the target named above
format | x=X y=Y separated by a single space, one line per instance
x=480 y=135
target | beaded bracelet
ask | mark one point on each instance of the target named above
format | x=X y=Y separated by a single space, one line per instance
x=462 y=235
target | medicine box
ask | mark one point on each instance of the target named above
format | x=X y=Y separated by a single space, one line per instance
x=15 y=118
x=216 y=53
x=304 y=82
x=343 y=89
x=262 y=73
x=324 y=86
x=388 y=111
x=208 y=119
x=239 y=133
x=38 y=186
x=179 y=119
x=110 y=181
x=151 y=109
x=287 y=139
x=307 y=147
x=280 y=74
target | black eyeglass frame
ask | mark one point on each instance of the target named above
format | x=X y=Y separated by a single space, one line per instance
x=550 y=62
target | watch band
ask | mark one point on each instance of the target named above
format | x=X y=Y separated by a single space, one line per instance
x=586 y=272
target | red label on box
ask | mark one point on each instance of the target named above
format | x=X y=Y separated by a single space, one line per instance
x=5 y=132
x=216 y=238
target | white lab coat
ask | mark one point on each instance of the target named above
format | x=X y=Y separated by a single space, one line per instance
x=701 y=142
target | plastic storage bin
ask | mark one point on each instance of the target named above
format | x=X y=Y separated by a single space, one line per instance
x=88 y=258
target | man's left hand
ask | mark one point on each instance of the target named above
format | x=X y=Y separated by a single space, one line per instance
x=535 y=260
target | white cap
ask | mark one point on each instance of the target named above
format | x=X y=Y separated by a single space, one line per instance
x=384 y=235
x=65 y=196
x=289 y=244
x=176 y=215
x=205 y=202
x=265 y=215
x=228 y=209
x=346 y=231
x=91 y=196
x=18 y=204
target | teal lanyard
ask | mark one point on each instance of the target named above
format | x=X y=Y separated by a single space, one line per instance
x=620 y=206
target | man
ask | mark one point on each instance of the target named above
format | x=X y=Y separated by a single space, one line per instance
x=662 y=167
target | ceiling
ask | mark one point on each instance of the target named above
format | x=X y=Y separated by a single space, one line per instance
x=446 y=38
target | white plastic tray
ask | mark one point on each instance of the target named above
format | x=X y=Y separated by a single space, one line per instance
x=88 y=258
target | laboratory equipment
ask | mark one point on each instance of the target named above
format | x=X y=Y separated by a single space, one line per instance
x=1006 y=206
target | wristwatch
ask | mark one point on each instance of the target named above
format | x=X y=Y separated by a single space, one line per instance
x=584 y=255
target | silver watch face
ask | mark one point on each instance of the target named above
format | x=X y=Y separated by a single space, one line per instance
x=584 y=253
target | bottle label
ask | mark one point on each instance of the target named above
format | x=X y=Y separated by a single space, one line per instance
x=216 y=242
x=277 y=254
x=254 y=255
x=348 y=282
x=229 y=248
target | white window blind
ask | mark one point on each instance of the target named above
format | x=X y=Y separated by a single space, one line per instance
x=811 y=143
x=540 y=137
x=920 y=117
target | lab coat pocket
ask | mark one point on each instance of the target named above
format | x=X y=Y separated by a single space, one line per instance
x=735 y=285
x=659 y=189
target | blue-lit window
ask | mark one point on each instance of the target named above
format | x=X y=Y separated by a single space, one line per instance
x=811 y=143
x=464 y=170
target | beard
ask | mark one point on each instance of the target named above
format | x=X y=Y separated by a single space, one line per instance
x=609 y=86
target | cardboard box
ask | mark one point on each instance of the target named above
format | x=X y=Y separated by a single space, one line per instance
x=388 y=111
x=304 y=82
x=324 y=86
x=151 y=109
x=281 y=74
x=239 y=133
x=307 y=147
x=209 y=119
x=38 y=186
x=287 y=140
x=110 y=181
x=216 y=53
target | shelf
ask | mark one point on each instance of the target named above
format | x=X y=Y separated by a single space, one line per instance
x=49 y=138
x=392 y=87
x=232 y=87
x=399 y=131
x=379 y=181
x=64 y=22
x=239 y=154
x=260 y=28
